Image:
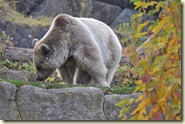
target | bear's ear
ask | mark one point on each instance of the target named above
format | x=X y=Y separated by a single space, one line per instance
x=34 y=41
x=44 y=49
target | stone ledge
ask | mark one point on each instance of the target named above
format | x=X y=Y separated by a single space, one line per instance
x=77 y=103
x=8 y=107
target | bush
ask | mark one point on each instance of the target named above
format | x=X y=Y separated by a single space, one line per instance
x=8 y=64
x=160 y=71
x=4 y=41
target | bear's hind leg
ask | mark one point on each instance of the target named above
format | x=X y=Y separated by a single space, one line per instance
x=92 y=62
x=82 y=77
x=110 y=74
x=98 y=74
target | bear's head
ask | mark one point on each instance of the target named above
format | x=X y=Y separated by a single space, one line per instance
x=52 y=50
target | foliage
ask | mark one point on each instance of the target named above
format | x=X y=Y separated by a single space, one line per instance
x=123 y=89
x=160 y=71
x=7 y=64
x=127 y=106
x=4 y=41
x=52 y=85
x=83 y=4
x=126 y=31
x=125 y=76
x=19 y=83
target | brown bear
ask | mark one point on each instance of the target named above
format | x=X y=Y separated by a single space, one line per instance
x=81 y=49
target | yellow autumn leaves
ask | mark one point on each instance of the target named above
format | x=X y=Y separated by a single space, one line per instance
x=160 y=70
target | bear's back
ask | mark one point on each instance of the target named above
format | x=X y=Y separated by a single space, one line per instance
x=104 y=37
x=99 y=30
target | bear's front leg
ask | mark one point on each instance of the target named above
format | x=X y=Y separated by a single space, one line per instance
x=67 y=71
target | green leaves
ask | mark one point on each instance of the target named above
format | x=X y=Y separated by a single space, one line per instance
x=159 y=6
x=141 y=26
x=125 y=104
x=143 y=4
x=4 y=35
x=137 y=16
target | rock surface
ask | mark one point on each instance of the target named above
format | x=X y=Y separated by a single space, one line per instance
x=14 y=75
x=78 y=103
x=36 y=8
x=111 y=111
x=124 y=60
x=125 y=17
x=121 y=3
x=60 y=104
x=93 y=9
x=21 y=54
x=8 y=108
x=27 y=6
x=101 y=11
x=22 y=35
x=53 y=8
